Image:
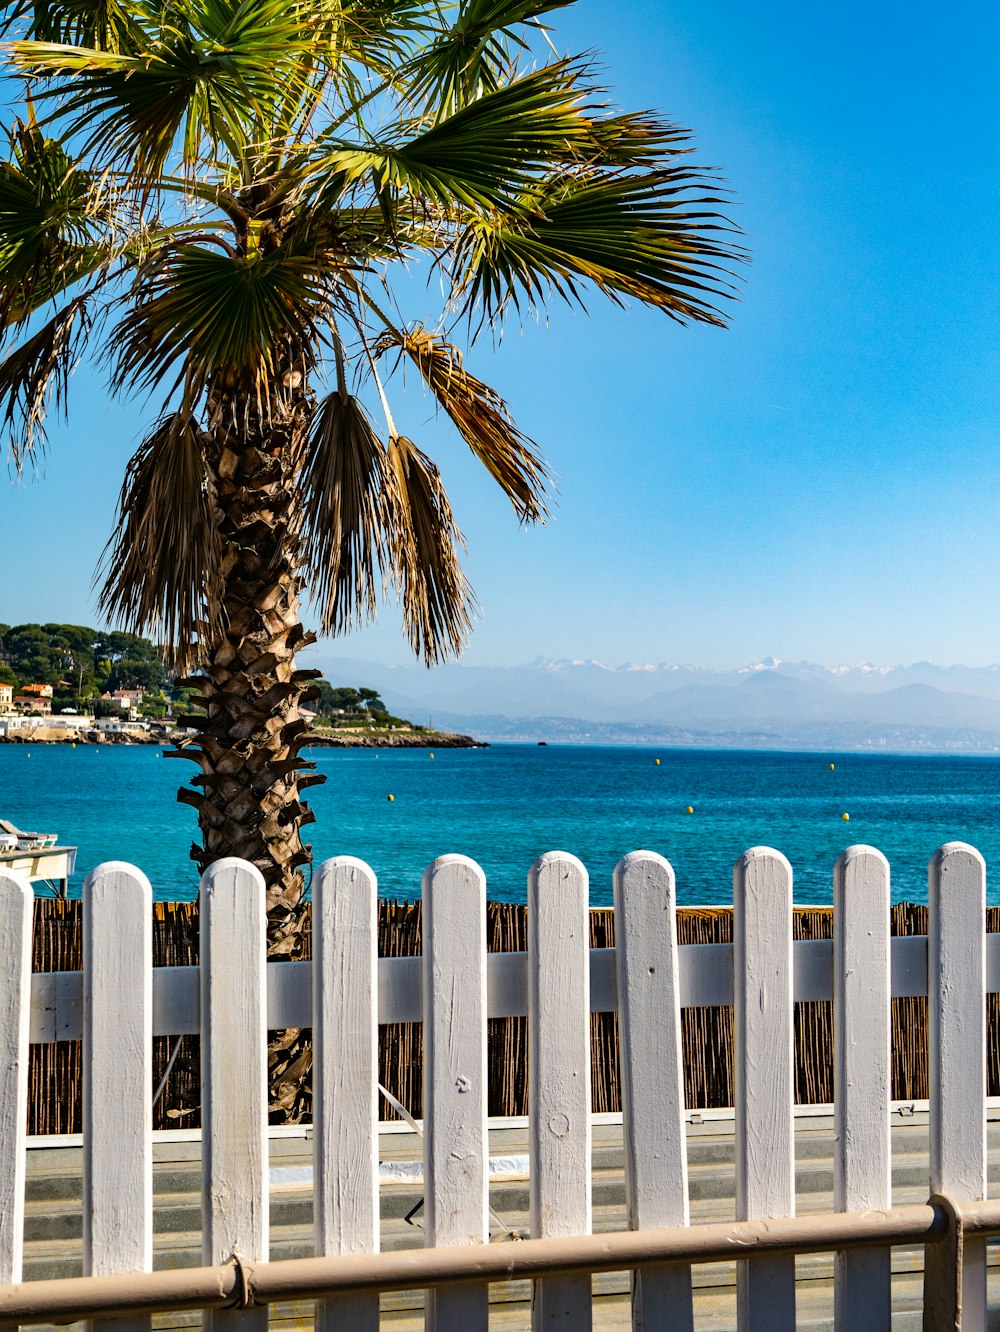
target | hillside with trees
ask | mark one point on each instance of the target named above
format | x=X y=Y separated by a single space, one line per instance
x=83 y=664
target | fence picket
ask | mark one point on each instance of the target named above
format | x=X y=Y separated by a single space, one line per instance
x=16 y=899
x=233 y=1075
x=345 y=1077
x=559 y=1077
x=456 y=1166
x=652 y=1076
x=763 y=1020
x=862 y=1179
x=956 y=1047
x=117 y=1076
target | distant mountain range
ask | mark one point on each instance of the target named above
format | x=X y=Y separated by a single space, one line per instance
x=768 y=704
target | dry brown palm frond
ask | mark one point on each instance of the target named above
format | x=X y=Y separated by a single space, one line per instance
x=162 y=567
x=484 y=422
x=37 y=373
x=438 y=603
x=344 y=487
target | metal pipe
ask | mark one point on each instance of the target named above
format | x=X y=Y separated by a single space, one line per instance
x=239 y=1284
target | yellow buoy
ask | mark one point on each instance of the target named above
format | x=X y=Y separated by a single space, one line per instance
x=432 y=756
x=833 y=767
x=846 y=818
x=73 y=745
x=657 y=762
x=392 y=797
x=690 y=809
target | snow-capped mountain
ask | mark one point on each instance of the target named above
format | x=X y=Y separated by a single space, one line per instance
x=917 y=706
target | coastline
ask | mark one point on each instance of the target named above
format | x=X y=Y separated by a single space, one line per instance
x=394 y=740
x=56 y=735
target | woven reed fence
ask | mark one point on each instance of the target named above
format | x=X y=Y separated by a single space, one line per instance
x=55 y=1073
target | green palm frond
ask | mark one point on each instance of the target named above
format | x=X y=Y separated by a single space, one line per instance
x=438 y=604
x=376 y=34
x=52 y=224
x=198 y=84
x=162 y=568
x=108 y=25
x=638 y=139
x=35 y=376
x=483 y=420
x=222 y=316
x=344 y=487
x=483 y=154
x=473 y=54
x=641 y=236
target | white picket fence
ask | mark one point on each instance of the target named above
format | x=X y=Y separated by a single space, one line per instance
x=119 y=1002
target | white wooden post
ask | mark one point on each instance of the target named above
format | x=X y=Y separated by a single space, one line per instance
x=764 y=1032
x=233 y=1075
x=649 y=1024
x=559 y=1104
x=456 y=1164
x=862 y=1083
x=16 y=899
x=345 y=1077
x=117 y=1077
x=956 y=1047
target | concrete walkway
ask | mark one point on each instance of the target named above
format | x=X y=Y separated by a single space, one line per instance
x=53 y=1222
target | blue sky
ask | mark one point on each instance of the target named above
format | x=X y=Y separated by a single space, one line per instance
x=821 y=481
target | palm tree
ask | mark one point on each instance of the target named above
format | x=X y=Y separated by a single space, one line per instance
x=211 y=198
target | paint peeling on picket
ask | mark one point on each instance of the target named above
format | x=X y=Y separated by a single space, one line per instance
x=117 y=1077
x=345 y=1077
x=233 y=1075
x=956 y=1047
x=763 y=1078
x=456 y=1153
x=15 y=989
x=862 y=1165
x=559 y=1135
x=656 y=1191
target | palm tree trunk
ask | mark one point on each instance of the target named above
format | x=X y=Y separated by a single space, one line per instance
x=249 y=731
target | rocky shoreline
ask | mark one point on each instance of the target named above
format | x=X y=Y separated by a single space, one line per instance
x=55 y=735
x=394 y=740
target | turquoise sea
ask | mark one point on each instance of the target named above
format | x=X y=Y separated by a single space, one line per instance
x=505 y=805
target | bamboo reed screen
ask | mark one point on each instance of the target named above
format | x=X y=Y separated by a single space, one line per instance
x=55 y=1076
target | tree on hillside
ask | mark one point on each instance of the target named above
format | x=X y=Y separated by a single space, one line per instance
x=213 y=198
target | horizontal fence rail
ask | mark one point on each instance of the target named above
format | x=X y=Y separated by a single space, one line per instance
x=119 y=1002
x=705 y=974
x=239 y=1285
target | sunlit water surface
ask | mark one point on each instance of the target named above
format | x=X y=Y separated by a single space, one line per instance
x=505 y=805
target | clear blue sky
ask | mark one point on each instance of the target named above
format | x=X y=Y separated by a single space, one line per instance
x=822 y=481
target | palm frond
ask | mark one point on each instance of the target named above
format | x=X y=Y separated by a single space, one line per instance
x=483 y=420
x=638 y=139
x=108 y=25
x=473 y=54
x=484 y=154
x=53 y=224
x=438 y=603
x=344 y=487
x=162 y=568
x=35 y=376
x=376 y=35
x=220 y=315
x=652 y=237
x=198 y=84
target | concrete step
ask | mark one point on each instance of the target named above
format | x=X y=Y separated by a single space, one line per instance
x=53 y=1222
